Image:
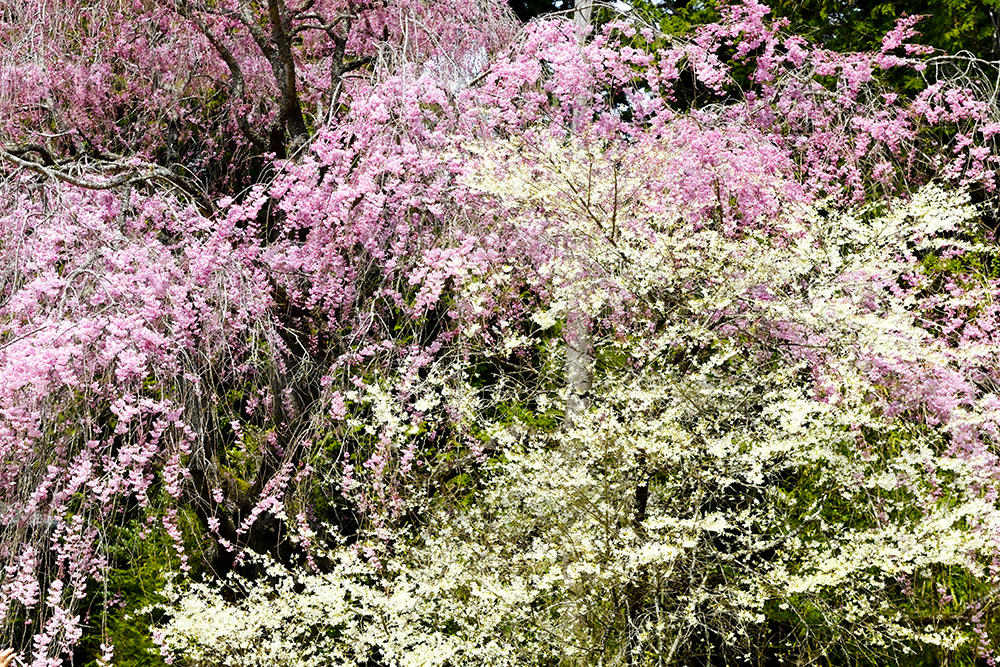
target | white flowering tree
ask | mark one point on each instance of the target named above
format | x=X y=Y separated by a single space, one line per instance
x=783 y=458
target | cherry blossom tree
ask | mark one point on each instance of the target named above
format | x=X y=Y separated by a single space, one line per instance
x=291 y=287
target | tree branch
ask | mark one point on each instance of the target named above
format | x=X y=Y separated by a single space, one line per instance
x=237 y=89
x=21 y=151
x=138 y=172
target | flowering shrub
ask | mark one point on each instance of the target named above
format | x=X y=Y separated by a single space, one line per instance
x=501 y=345
x=748 y=480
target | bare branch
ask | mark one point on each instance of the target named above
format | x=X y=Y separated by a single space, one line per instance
x=132 y=174
x=21 y=151
x=237 y=88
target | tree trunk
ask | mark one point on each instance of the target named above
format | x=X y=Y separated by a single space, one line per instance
x=579 y=364
x=579 y=343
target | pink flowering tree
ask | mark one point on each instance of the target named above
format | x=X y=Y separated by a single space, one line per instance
x=291 y=287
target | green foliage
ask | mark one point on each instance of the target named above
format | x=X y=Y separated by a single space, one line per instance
x=949 y=25
x=952 y=26
x=120 y=610
x=127 y=604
